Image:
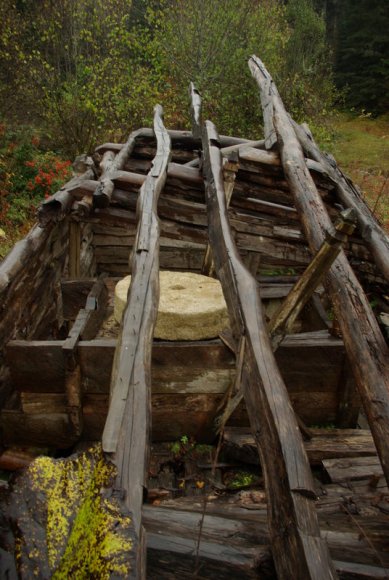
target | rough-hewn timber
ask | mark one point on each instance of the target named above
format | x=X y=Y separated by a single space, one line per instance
x=299 y=551
x=365 y=345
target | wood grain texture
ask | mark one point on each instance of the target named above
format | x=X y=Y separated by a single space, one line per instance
x=126 y=433
x=299 y=552
x=366 y=348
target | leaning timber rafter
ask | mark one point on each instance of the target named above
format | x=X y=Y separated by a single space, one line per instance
x=371 y=232
x=365 y=345
x=126 y=431
x=298 y=549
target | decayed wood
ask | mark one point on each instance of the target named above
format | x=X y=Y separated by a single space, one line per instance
x=299 y=551
x=349 y=196
x=365 y=345
x=126 y=432
x=304 y=288
x=111 y=164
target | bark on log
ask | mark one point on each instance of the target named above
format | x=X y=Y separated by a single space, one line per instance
x=126 y=432
x=297 y=547
x=371 y=232
x=365 y=345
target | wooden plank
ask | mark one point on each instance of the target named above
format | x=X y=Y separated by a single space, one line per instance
x=126 y=432
x=283 y=457
x=347 y=469
x=21 y=429
x=366 y=348
x=37 y=366
x=324 y=444
x=41 y=403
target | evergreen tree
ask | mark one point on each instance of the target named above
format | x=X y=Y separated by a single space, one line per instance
x=362 y=62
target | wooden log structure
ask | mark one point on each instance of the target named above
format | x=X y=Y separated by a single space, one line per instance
x=265 y=209
x=299 y=551
x=364 y=342
x=126 y=433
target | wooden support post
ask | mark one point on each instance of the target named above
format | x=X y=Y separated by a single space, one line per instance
x=74 y=249
x=298 y=549
x=230 y=169
x=302 y=291
x=126 y=432
x=366 y=348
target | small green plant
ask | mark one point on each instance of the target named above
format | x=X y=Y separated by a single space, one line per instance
x=186 y=447
x=243 y=479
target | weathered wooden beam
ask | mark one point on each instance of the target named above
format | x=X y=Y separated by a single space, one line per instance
x=109 y=165
x=126 y=432
x=297 y=547
x=230 y=169
x=349 y=196
x=366 y=348
x=324 y=444
x=302 y=291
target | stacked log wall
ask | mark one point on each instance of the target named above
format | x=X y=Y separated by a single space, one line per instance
x=30 y=292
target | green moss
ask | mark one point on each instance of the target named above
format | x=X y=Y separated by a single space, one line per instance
x=86 y=535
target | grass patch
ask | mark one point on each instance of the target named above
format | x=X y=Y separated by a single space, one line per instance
x=361 y=147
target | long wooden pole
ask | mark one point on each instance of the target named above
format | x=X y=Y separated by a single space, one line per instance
x=126 y=432
x=298 y=549
x=366 y=348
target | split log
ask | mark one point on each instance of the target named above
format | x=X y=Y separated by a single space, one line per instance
x=349 y=196
x=365 y=345
x=126 y=432
x=297 y=547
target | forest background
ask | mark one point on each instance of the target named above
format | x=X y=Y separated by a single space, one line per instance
x=75 y=73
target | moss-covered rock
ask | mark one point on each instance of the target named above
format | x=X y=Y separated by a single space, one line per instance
x=67 y=522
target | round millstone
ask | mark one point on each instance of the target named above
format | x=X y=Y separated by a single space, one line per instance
x=191 y=306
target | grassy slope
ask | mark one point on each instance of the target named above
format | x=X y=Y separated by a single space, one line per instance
x=361 y=148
